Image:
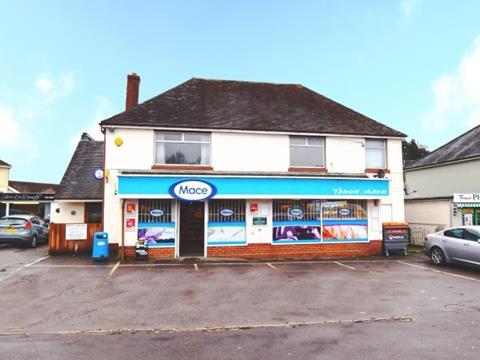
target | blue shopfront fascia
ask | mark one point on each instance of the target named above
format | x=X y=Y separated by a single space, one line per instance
x=134 y=186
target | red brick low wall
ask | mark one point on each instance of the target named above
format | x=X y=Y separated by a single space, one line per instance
x=154 y=253
x=269 y=251
x=304 y=251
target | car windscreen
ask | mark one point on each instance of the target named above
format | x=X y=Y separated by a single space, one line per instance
x=12 y=221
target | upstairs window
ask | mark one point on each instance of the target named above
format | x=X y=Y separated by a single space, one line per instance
x=187 y=148
x=375 y=151
x=307 y=151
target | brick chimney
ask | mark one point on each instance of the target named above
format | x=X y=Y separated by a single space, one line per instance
x=133 y=88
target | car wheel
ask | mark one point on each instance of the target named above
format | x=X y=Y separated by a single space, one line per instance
x=437 y=256
x=33 y=242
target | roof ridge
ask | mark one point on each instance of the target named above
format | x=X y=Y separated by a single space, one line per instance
x=441 y=147
x=247 y=82
x=32 y=182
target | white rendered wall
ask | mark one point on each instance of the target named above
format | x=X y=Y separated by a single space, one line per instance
x=244 y=152
x=429 y=212
x=444 y=180
x=4 y=175
x=112 y=220
x=250 y=152
x=259 y=233
x=69 y=212
x=135 y=153
x=345 y=155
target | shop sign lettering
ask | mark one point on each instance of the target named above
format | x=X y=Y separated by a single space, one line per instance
x=192 y=190
x=466 y=197
x=226 y=212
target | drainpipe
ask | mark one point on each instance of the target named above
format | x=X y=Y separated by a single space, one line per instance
x=122 y=254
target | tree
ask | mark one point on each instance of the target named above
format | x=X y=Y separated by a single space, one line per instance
x=413 y=150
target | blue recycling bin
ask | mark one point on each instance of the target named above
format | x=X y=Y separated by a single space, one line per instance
x=100 y=246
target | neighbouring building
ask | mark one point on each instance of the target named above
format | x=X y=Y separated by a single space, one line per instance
x=24 y=197
x=80 y=193
x=245 y=169
x=442 y=188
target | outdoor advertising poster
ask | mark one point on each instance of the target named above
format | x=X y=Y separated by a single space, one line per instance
x=157 y=235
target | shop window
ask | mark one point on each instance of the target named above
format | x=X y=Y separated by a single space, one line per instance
x=344 y=220
x=344 y=210
x=155 y=222
x=300 y=221
x=296 y=221
x=154 y=211
x=226 y=222
x=93 y=212
x=296 y=210
x=186 y=148
x=224 y=211
x=375 y=151
x=307 y=151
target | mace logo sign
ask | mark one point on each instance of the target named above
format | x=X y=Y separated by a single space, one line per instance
x=192 y=190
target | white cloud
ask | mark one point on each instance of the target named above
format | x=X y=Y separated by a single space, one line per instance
x=409 y=7
x=11 y=134
x=457 y=95
x=54 y=88
x=44 y=84
x=15 y=140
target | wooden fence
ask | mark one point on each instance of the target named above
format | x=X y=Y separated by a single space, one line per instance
x=57 y=244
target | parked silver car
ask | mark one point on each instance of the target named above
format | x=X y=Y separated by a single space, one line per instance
x=26 y=230
x=459 y=244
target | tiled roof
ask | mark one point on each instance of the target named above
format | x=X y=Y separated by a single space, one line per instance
x=79 y=182
x=463 y=147
x=33 y=187
x=241 y=105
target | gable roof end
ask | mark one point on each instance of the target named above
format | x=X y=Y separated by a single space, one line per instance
x=79 y=182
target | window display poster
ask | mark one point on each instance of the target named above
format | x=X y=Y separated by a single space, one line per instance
x=345 y=232
x=157 y=235
x=218 y=235
x=296 y=233
x=131 y=208
x=130 y=224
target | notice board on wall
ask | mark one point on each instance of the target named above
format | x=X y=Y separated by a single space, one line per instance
x=76 y=232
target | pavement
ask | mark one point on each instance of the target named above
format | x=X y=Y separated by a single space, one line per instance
x=397 y=307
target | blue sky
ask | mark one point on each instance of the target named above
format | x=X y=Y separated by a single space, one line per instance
x=411 y=64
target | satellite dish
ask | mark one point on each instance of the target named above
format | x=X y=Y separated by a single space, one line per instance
x=380 y=174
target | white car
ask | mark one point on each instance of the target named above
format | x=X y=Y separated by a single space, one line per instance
x=459 y=244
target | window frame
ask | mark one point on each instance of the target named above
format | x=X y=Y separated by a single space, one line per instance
x=384 y=148
x=182 y=141
x=307 y=145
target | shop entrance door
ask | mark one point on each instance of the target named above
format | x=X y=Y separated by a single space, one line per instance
x=192 y=227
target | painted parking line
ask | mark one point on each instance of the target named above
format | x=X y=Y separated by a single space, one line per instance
x=196 y=267
x=347 y=266
x=220 y=328
x=24 y=267
x=273 y=267
x=113 y=269
x=439 y=271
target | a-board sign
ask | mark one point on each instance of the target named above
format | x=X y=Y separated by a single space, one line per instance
x=260 y=220
x=76 y=232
